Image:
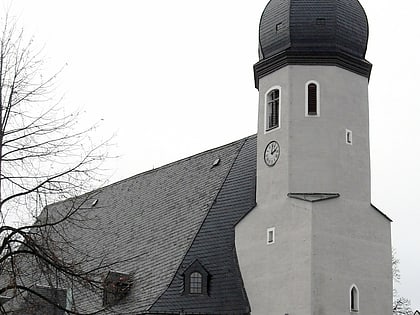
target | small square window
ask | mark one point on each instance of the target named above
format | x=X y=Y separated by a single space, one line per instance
x=349 y=137
x=270 y=236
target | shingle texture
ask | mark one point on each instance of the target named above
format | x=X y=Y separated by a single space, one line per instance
x=214 y=247
x=153 y=225
x=313 y=26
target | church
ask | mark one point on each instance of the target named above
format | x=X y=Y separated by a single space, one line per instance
x=277 y=223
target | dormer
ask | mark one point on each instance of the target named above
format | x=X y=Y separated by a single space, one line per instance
x=116 y=286
x=196 y=279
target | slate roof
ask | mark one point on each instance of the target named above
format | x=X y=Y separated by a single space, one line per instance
x=155 y=224
x=313 y=32
x=313 y=25
x=214 y=246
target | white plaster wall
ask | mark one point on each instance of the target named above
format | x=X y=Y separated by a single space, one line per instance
x=276 y=276
x=351 y=244
x=320 y=159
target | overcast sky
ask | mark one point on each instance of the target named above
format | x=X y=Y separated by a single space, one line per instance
x=174 y=78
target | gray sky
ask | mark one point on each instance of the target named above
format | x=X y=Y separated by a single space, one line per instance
x=174 y=78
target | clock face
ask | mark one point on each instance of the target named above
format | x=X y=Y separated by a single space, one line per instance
x=272 y=153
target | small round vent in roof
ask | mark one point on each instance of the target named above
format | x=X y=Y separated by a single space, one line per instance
x=94 y=202
x=216 y=162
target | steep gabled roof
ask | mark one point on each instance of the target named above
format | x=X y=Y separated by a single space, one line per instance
x=154 y=224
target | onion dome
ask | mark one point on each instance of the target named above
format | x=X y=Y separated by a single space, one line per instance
x=329 y=32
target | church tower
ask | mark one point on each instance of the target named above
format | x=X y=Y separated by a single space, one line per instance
x=314 y=244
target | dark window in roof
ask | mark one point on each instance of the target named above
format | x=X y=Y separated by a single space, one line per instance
x=320 y=21
x=116 y=286
x=273 y=104
x=196 y=279
x=312 y=99
x=196 y=283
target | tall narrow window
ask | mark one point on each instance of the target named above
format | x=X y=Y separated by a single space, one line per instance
x=312 y=99
x=196 y=283
x=354 y=299
x=273 y=109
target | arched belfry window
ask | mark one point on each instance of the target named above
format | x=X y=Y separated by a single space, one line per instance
x=354 y=299
x=312 y=99
x=196 y=279
x=272 y=111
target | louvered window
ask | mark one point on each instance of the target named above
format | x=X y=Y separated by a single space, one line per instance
x=273 y=109
x=312 y=99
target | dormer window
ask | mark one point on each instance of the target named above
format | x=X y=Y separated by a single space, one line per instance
x=116 y=287
x=312 y=99
x=196 y=279
x=272 y=110
x=196 y=283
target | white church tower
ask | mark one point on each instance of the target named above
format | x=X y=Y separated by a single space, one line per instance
x=314 y=244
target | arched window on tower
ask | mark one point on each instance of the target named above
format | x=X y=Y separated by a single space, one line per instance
x=354 y=299
x=312 y=98
x=272 y=109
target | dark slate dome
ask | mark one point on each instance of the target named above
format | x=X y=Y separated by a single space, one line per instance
x=312 y=27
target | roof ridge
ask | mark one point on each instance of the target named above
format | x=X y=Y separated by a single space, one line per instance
x=244 y=140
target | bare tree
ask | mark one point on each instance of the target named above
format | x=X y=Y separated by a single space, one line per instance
x=43 y=160
x=401 y=305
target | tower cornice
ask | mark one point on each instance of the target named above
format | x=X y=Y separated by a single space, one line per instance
x=285 y=58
